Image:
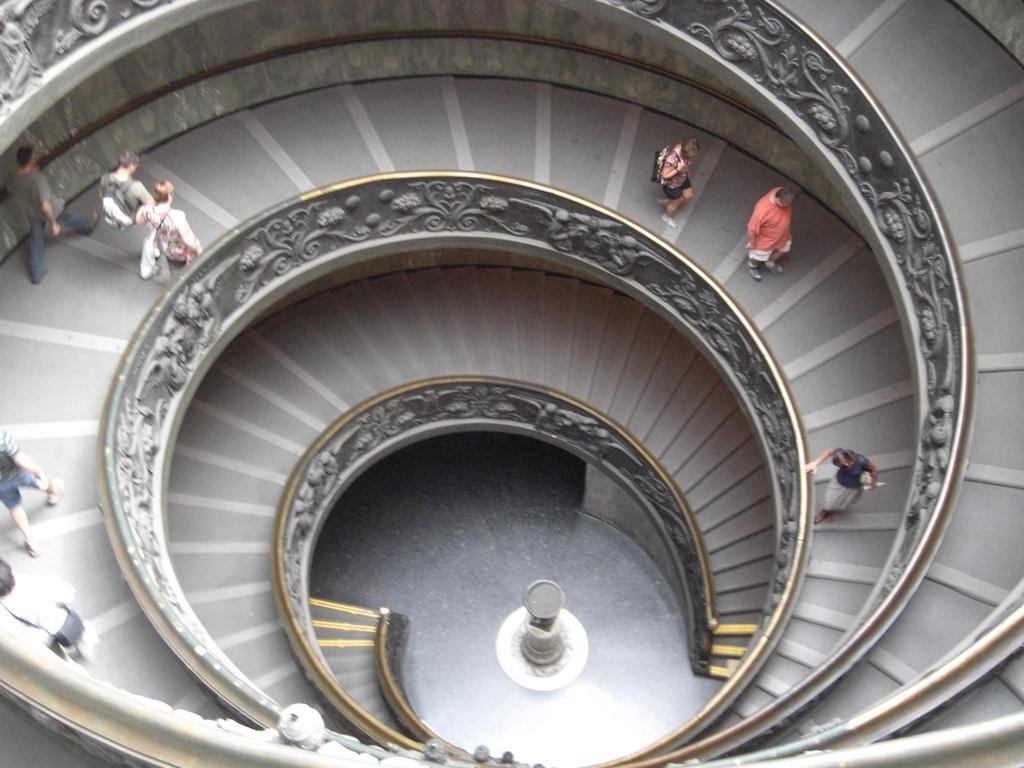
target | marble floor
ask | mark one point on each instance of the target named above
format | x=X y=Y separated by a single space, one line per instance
x=449 y=532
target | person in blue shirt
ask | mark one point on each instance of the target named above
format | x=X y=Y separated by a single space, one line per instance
x=849 y=482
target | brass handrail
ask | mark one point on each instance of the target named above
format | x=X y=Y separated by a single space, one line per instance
x=126 y=729
x=943 y=498
x=962 y=669
x=249 y=270
x=386 y=653
x=319 y=479
x=998 y=743
x=901 y=218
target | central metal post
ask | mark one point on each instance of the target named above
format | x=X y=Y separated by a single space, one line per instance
x=542 y=642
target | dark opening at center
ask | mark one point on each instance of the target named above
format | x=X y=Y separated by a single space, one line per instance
x=450 y=532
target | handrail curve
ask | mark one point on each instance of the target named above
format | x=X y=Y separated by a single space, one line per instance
x=258 y=263
x=815 y=96
x=50 y=46
x=424 y=409
x=901 y=213
x=983 y=656
x=998 y=743
x=122 y=728
x=389 y=647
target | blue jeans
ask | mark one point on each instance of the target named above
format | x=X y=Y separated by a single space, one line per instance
x=10 y=489
x=37 y=234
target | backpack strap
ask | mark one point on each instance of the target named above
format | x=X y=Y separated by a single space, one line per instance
x=22 y=619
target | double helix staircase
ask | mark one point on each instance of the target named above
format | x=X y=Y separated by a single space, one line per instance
x=829 y=321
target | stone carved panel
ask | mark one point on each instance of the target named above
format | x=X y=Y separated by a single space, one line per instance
x=446 y=406
x=36 y=34
x=81 y=738
x=262 y=259
x=761 y=42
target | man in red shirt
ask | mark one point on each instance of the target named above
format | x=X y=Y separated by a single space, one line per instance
x=768 y=235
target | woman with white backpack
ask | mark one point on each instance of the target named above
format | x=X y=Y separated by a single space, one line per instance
x=170 y=235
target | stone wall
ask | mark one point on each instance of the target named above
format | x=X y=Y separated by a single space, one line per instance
x=245 y=54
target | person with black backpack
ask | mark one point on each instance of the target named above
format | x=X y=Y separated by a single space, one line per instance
x=37 y=610
x=121 y=194
x=672 y=171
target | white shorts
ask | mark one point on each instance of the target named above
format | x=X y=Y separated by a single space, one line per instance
x=839 y=498
x=756 y=255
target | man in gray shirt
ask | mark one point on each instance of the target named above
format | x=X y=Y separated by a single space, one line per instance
x=45 y=212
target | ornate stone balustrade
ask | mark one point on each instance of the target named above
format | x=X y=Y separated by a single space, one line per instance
x=266 y=259
x=425 y=409
x=38 y=36
x=801 y=82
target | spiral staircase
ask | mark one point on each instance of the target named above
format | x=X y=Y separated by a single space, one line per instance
x=836 y=323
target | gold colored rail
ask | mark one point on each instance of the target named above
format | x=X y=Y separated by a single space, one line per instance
x=355 y=610
x=392 y=690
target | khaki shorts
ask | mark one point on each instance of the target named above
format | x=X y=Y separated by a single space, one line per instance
x=839 y=497
x=756 y=255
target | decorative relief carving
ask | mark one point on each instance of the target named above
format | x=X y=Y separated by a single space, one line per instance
x=227 y=280
x=763 y=43
x=444 y=406
x=796 y=73
x=35 y=34
x=276 y=248
x=647 y=8
x=452 y=206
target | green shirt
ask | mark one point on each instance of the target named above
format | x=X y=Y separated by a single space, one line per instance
x=29 y=191
x=8 y=450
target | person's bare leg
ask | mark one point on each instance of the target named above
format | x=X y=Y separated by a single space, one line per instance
x=772 y=265
x=20 y=519
x=679 y=202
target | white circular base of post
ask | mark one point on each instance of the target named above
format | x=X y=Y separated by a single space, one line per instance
x=551 y=677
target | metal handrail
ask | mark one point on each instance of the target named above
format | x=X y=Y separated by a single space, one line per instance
x=129 y=730
x=759 y=45
x=941 y=500
x=425 y=408
x=387 y=652
x=996 y=743
x=271 y=255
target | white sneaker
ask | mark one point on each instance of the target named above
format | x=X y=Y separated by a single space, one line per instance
x=771 y=266
x=87 y=643
x=668 y=220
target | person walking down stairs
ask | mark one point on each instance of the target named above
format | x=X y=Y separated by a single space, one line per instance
x=170 y=235
x=37 y=609
x=768 y=232
x=17 y=471
x=46 y=213
x=674 y=175
x=854 y=473
x=121 y=194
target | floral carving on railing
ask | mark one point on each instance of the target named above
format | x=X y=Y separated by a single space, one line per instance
x=648 y=8
x=796 y=74
x=440 y=206
x=36 y=34
x=762 y=44
x=267 y=257
x=444 y=406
